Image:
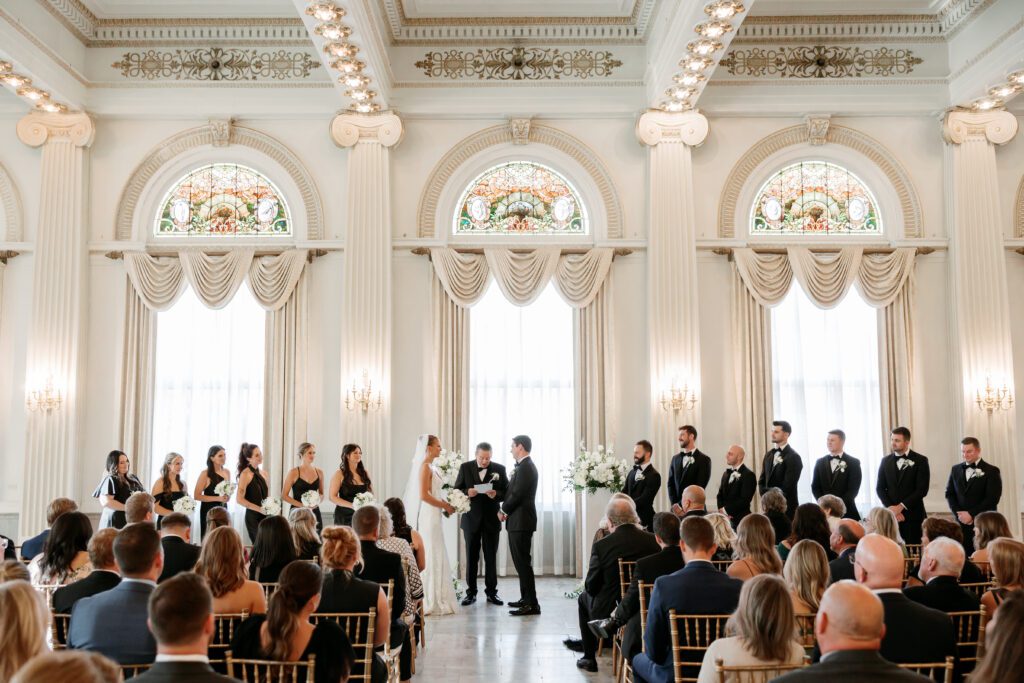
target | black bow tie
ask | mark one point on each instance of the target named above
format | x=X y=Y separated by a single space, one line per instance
x=777 y=451
x=483 y=469
x=518 y=464
x=970 y=467
x=837 y=457
x=638 y=467
x=731 y=469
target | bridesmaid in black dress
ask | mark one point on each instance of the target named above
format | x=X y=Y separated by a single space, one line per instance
x=115 y=489
x=303 y=479
x=206 y=485
x=253 y=488
x=169 y=487
x=348 y=482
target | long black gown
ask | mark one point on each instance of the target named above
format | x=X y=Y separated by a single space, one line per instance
x=206 y=505
x=300 y=487
x=343 y=515
x=256 y=492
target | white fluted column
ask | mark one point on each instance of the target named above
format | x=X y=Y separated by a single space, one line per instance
x=366 y=299
x=980 y=293
x=56 y=343
x=673 y=317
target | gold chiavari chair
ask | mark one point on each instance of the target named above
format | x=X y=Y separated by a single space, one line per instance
x=46 y=590
x=805 y=631
x=985 y=568
x=269 y=589
x=391 y=654
x=133 y=670
x=691 y=636
x=265 y=671
x=626 y=569
x=761 y=673
x=978 y=588
x=933 y=670
x=913 y=551
x=969 y=629
x=644 y=590
x=908 y=564
x=59 y=624
x=721 y=565
x=359 y=627
x=224 y=626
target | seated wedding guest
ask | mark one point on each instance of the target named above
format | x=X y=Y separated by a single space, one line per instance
x=65 y=557
x=603 y=526
x=181 y=619
x=103 y=577
x=883 y=522
x=56 y=508
x=216 y=517
x=648 y=569
x=834 y=509
x=348 y=482
x=754 y=549
x=806 y=574
x=380 y=566
x=988 y=526
x=222 y=564
x=601 y=588
x=273 y=550
x=286 y=634
x=405 y=532
x=1006 y=557
x=760 y=631
x=692 y=503
x=913 y=632
x=386 y=540
x=140 y=507
x=179 y=553
x=303 y=479
x=737 y=487
x=1004 y=648
x=809 y=523
x=725 y=536
x=113 y=623
x=169 y=487
x=69 y=665
x=773 y=503
x=206 y=486
x=304 y=533
x=844 y=544
x=117 y=486
x=849 y=629
x=23 y=627
x=345 y=592
x=942 y=560
x=697 y=588
x=14 y=570
x=933 y=528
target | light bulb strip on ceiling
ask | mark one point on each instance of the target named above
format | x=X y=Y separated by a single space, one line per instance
x=23 y=88
x=343 y=53
x=998 y=95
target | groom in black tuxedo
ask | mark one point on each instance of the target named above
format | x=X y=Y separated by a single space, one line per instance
x=519 y=512
x=974 y=487
x=480 y=524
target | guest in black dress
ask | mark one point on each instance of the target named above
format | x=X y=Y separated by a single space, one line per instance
x=169 y=487
x=206 y=485
x=303 y=479
x=273 y=550
x=773 y=502
x=115 y=489
x=286 y=628
x=253 y=488
x=348 y=482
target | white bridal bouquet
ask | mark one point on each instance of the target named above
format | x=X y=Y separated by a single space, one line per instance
x=311 y=499
x=271 y=506
x=225 y=488
x=447 y=466
x=185 y=504
x=363 y=499
x=458 y=500
x=594 y=470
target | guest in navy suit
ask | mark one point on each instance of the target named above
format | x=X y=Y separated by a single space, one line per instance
x=697 y=588
x=57 y=507
x=974 y=487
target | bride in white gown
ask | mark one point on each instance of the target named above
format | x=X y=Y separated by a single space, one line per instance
x=424 y=503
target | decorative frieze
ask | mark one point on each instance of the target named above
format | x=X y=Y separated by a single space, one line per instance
x=820 y=61
x=216 y=64
x=519 y=64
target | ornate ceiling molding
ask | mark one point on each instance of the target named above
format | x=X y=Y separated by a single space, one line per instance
x=217 y=64
x=840 y=135
x=820 y=61
x=518 y=64
x=10 y=201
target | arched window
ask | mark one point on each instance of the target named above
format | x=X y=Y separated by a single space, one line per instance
x=812 y=197
x=520 y=197
x=223 y=199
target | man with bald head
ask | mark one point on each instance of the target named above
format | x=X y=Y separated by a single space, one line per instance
x=737 y=487
x=849 y=629
x=844 y=543
x=692 y=503
x=913 y=632
x=942 y=562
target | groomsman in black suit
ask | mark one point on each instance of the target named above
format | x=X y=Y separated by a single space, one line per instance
x=781 y=467
x=974 y=487
x=903 y=479
x=838 y=474
x=689 y=467
x=643 y=482
x=737 y=487
x=480 y=525
x=519 y=512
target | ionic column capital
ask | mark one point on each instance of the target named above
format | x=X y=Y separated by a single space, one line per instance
x=655 y=127
x=385 y=128
x=997 y=127
x=37 y=127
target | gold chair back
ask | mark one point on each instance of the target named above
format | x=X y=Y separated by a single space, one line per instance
x=721 y=565
x=969 y=629
x=805 y=630
x=941 y=672
x=133 y=670
x=978 y=588
x=269 y=589
x=265 y=671
x=761 y=673
x=224 y=626
x=46 y=590
x=985 y=568
x=691 y=636
x=626 y=569
x=645 y=590
x=59 y=624
x=359 y=627
x=389 y=590
x=914 y=551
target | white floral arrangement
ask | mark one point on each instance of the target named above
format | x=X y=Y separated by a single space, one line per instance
x=447 y=465
x=458 y=500
x=592 y=471
x=185 y=505
x=311 y=499
x=271 y=506
x=363 y=499
x=225 y=488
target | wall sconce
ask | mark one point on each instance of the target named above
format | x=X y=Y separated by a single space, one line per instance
x=675 y=399
x=363 y=397
x=46 y=399
x=990 y=399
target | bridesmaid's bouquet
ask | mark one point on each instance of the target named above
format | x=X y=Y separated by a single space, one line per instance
x=225 y=488
x=185 y=505
x=311 y=499
x=447 y=466
x=592 y=471
x=458 y=500
x=363 y=499
x=271 y=506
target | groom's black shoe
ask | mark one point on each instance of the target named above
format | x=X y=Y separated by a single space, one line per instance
x=605 y=628
x=587 y=664
x=525 y=611
x=469 y=599
x=573 y=644
x=495 y=600
x=516 y=604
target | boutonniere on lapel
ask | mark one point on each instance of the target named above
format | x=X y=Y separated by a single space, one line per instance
x=974 y=473
x=494 y=477
x=840 y=467
x=639 y=475
x=734 y=476
x=687 y=460
x=903 y=463
x=778 y=459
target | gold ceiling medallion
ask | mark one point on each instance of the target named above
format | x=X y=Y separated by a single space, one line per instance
x=216 y=64
x=519 y=64
x=820 y=61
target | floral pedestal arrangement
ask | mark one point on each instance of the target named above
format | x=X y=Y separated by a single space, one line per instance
x=594 y=476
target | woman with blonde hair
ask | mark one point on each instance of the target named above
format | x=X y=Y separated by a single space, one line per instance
x=724 y=536
x=883 y=522
x=754 y=549
x=761 y=630
x=22 y=628
x=806 y=573
x=988 y=526
x=13 y=570
x=222 y=564
x=70 y=665
x=1006 y=555
x=307 y=540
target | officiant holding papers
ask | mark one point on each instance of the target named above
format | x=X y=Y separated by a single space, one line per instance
x=485 y=483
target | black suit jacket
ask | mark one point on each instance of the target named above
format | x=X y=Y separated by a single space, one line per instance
x=520 y=497
x=908 y=488
x=602 y=582
x=699 y=473
x=643 y=492
x=980 y=494
x=179 y=556
x=380 y=566
x=845 y=484
x=735 y=496
x=915 y=633
x=99 y=581
x=841 y=568
x=852 y=666
x=183 y=672
x=483 y=510
x=785 y=475
x=944 y=594
x=666 y=561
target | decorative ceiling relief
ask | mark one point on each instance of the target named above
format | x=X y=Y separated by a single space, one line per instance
x=820 y=61
x=216 y=64
x=519 y=64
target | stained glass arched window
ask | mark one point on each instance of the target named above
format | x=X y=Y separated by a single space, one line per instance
x=520 y=197
x=815 y=197
x=224 y=199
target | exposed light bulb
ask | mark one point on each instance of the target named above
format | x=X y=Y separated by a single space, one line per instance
x=986 y=103
x=673 y=105
x=695 y=63
x=354 y=80
x=688 y=78
x=723 y=9
x=1003 y=91
x=34 y=94
x=348 y=66
x=5 y=67
x=713 y=29
x=361 y=95
x=679 y=93
x=341 y=49
x=704 y=47
x=15 y=81
x=332 y=30
x=365 y=107
x=52 y=107
x=1016 y=77
x=325 y=11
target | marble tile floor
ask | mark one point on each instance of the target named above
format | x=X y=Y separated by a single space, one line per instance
x=483 y=644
